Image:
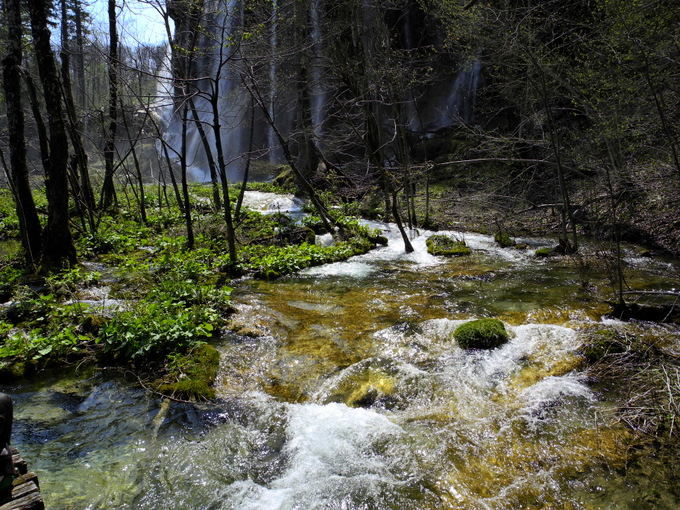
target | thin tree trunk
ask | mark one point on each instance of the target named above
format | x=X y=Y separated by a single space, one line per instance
x=138 y=169
x=185 y=188
x=108 y=190
x=86 y=197
x=221 y=167
x=246 y=170
x=408 y=247
x=208 y=155
x=79 y=55
x=307 y=186
x=29 y=223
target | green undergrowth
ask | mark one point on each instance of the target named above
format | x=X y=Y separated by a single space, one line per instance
x=143 y=300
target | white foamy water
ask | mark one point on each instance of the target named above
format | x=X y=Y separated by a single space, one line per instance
x=269 y=203
x=368 y=263
x=333 y=451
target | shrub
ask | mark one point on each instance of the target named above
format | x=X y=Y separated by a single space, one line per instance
x=481 y=334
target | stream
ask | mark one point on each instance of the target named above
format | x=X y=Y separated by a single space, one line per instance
x=344 y=389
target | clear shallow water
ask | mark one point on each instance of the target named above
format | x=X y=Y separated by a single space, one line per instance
x=355 y=396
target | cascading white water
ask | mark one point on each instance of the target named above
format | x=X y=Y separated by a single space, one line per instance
x=267 y=203
x=273 y=83
x=436 y=107
x=356 y=395
x=460 y=98
x=317 y=86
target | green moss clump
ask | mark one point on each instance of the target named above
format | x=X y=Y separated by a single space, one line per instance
x=447 y=246
x=191 y=375
x=503 y=240
x=481 y=334
x=543 y=252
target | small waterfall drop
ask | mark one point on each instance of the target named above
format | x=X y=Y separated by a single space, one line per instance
x=459 y=100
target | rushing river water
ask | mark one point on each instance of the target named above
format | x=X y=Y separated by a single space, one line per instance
x=348 y=392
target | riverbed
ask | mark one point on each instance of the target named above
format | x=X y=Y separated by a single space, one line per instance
x=343 y=388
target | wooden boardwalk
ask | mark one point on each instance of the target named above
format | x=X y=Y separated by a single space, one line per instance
x=25 y=491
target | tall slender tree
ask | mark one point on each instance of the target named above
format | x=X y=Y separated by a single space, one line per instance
x=58 y=248
x=108 y=190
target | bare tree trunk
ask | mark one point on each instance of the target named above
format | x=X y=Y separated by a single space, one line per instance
x=408 y=247
x=85 y=196
x=185 y=188
x=108 y=189
x=138 y=169
x=246 y=170
x=208 y=155
x=29 y=223
x=306 y=185
x=58 y=248
x=79 y=55
x=566 y=212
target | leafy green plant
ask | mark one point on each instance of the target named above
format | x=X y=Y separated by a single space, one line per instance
x=153 y=331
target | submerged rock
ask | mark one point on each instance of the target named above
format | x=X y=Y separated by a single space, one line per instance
x=369 y=383
x=481 y=334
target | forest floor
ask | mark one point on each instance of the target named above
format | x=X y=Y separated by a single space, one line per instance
x=647 y=213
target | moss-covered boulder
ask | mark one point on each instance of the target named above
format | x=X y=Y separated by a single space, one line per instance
x=503 y=240
x=191 y=375
x=481 y=334
x=448 y=246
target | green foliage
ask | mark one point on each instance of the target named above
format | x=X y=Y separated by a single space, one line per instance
x=66 y=282
x=445 y=245
x=481 y=334
x=34 y=344
x=154 y=330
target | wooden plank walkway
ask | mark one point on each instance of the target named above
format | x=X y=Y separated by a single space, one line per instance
x=25 y=491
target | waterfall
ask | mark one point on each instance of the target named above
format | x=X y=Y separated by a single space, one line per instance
x=317 y=88
x=274 y=42
x=445 y=101
x=460 y=99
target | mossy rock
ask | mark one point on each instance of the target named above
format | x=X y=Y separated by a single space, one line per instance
x=503 y=240
x=447 y=246
x=378 y=240
x=543 y=253
x=191 y=376
x=285 y=178
x=12 y=371
x=481 y=334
